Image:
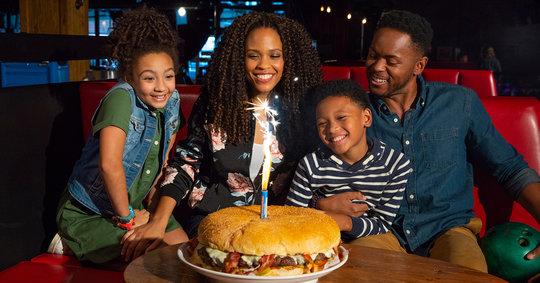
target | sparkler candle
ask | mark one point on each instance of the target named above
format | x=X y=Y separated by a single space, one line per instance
x=270 y=120
x=265 y=176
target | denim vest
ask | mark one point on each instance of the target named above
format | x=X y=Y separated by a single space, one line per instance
x=86 y=184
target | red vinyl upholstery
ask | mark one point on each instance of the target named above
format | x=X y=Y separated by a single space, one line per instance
x=441 y=75
x=518 y=120
x=332 y=73
x=358 y=74
x=37 y=272
x=482 y=82
x=92 y=92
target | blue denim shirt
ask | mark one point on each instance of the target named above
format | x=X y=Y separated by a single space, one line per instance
x=86 y=184
x=446 y=129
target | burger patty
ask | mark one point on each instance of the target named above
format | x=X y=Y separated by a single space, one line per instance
x=279 y=261
x=205 y=257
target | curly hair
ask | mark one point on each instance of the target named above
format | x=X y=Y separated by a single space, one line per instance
x=227 y=90
x=140 y=32
x=416 y=26
x=339 y=87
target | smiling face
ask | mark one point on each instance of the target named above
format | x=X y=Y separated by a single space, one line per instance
x=393 y=63
x=341 y=124
x=153 y=79
x=264 y=61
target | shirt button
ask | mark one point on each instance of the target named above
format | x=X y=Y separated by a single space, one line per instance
x=408 y=232
x=411 y=170
x=147 y=172
x=422 y=103
x=396 y=120
x=156 y=142
x=411 y=196
x=407 y=142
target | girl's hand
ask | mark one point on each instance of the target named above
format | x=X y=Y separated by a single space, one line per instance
x=343 y=204
x=142 y=239
x=141 y=217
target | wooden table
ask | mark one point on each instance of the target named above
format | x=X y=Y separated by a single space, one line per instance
x=364 y=264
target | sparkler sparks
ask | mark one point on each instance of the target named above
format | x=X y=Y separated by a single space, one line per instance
x=263 y=106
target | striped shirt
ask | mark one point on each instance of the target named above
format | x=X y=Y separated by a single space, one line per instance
x=381 y=176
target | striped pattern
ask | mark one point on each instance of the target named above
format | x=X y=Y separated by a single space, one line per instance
x=381 y=176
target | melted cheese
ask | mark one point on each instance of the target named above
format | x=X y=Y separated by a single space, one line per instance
x=253 y=260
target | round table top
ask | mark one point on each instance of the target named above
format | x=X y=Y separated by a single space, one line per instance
x=364 y=264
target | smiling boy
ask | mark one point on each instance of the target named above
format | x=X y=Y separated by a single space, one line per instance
x=347 y=161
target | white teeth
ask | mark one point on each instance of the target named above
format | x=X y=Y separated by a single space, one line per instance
x=264 y=77
x=336 y=139
x=380 y=80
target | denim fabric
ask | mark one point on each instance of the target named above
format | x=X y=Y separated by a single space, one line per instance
x=445 y=131
x=86 y=184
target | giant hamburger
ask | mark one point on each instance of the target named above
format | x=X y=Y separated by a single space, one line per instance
x=290 y=241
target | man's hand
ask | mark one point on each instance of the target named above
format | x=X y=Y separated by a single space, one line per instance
x=343 y=204
x=529 y=198
x=533 y=254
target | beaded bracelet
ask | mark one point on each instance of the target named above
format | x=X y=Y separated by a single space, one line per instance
x=314 y=200
x=126 y=219
x=125 y=226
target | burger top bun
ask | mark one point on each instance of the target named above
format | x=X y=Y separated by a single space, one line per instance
x=286 y=230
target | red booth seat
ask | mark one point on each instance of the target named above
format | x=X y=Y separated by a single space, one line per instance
x=37 y=272
x=482 y=82
x=92 y=92
x=517 y=118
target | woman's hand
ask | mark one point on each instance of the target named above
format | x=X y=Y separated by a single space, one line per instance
x=141 y=239
x=343 y=204
x=141 y=217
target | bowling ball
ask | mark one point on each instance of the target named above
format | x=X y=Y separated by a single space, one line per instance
x=505 y=247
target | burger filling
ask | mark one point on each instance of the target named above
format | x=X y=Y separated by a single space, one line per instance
x=233 y=262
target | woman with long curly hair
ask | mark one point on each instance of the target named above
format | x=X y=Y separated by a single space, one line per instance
x=261 y=57
x=133 y=131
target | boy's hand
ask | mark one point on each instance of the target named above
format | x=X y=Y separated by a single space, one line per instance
x=343 y=221
x=141 y=217
x=344 y=203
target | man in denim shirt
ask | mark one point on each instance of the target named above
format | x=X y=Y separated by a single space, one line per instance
x=441 y=128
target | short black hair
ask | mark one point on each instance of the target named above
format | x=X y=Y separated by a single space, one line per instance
x=340 y=87
x=416 y=26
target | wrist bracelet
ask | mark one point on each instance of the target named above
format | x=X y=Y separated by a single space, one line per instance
x=314 y=200
x=126 y=219
x=125 y=226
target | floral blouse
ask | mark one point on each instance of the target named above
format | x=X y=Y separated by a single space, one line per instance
x=213 y=174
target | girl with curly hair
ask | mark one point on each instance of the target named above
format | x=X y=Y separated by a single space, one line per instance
x=261 y=57
x=102 y=216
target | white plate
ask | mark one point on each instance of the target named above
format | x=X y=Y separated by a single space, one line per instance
x=184 y=254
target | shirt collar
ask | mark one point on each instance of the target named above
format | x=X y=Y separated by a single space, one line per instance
x=328 y=155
